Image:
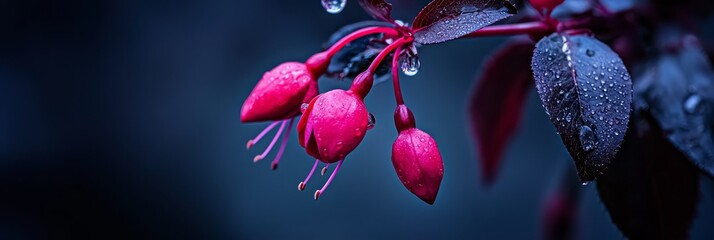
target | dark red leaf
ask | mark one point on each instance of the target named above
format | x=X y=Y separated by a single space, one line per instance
x=651 y=190
x=497 y=102
x=678 y=92
x=587 y=92
x=378 y=9
x=561 y=208
x=443 y=20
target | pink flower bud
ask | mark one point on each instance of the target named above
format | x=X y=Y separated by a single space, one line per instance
x=279 y=94
x=333 y=124
x=416 y=158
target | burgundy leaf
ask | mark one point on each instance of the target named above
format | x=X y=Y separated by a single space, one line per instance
x=651 y=190
x=443 y=20
x=378 y=9
x=678 y=91
x=586 y=90
x=561 y=208
x=497 y=102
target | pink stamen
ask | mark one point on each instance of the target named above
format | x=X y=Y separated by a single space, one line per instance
x=334 y=172
x=301 y=185
x=274 y=164
x=272 y=143
x=257 y=138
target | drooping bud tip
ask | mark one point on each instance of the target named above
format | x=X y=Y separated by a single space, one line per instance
x=404 y=118
x=324 y=170
x=301 y=186
x=274 y=166
x=317 y=64
x=257 y=158
x=362 y=84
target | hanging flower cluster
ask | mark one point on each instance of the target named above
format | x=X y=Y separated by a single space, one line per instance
x=332 y=124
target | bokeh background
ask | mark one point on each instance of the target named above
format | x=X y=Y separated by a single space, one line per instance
x=120 y=119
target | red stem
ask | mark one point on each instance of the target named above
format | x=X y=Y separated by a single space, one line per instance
x=512 y=29
x=395 y=77
x=358 y=34
x=377 y=60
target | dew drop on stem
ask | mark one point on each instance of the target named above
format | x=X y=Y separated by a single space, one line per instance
x=334 y=6
x=410 y=64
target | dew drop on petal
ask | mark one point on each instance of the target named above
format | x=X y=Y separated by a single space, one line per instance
x=334 y=6
x=372 y=121
x=303 y=107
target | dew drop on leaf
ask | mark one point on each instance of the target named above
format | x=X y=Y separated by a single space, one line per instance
x=590 y=52
x=691 y=104
x=587 y=138
x=334 y=6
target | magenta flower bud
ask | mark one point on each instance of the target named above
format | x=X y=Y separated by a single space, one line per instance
x=279 y=94
x=416 y=158
x=333 y=124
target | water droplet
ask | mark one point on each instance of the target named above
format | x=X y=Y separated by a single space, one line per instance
x=590 y=52
x=303 y=107
x=371 y=122
x=334 y=6
x=587 y=138
x=410 y=64
x=469 y=9
x=691 y=104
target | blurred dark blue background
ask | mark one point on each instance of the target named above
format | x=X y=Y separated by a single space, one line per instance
x=120 y=119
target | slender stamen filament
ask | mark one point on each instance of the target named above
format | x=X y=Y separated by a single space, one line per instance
x=301 y=185
x=272 y=143
x=286 y=136
x=329 y=180
x=257 y=138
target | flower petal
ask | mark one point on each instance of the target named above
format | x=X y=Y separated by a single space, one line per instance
x=278 y=94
